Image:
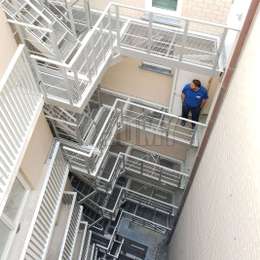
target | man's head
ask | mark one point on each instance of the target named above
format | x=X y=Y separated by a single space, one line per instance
x=195 y=84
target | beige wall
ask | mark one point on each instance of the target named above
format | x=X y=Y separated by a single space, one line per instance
x=126 y=77
x=208 y=10
x=101 y=4
x=35 y=157
x=221 y=216
x=154 y=143
x=8 y=44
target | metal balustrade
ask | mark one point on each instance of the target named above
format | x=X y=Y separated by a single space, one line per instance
x=43 y=222
x=125 y=163
x=88 y=162
x=83 y=69
x=69 y=125
x=109 y=205
x=20 y=105
x=187 y=43
x=82 y=236
x=105 y=181
x=41 y=28
x=158 y=173
x=72 y=226
x=159 y=205
x=146 y=223
x=161 y=123
x=87 y=248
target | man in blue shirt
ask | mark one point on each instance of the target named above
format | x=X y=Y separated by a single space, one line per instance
x=194 y=96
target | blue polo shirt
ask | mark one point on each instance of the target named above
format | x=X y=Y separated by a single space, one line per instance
x=194 y=98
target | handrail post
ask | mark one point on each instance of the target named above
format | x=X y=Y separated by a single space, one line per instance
x=184 y=39
x=110 y=28
x=68 y=85
x=150 y=32
x=117 y=26
x=194 y=134
x=88 y=13
x=220 y=48
x=72 y=22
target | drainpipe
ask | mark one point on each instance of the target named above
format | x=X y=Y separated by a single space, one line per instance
x=222 y=93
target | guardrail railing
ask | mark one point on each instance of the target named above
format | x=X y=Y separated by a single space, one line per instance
x=168 y=40
x=43 y=222
x=72 y=226
x=90 y=161
x=147 y=169
x=20 y=105
x=125 y=113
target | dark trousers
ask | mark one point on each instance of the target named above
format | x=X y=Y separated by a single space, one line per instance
x=195 y=113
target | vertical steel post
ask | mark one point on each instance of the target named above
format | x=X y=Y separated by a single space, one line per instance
x=150 y=32
x=220 y=48
x=184 y=39
x=117 y=26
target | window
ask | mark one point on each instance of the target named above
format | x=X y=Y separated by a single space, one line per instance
x=170 y=5
x=9 y=220
x=15 y=200
x=164 y=6
x=5 y=234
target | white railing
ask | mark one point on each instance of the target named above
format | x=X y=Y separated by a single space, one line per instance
x=160 y=123
x=90 y=161
x=155 y=172
x=135 y=32
x=84 y=240
x=125 y=194
x=125 y=113
x=86 y=65
x=86 y=253
x=106 y=184
x=171 y=40
x=43 y=222
x=72 y=227
x=161 y=174
x=20 y=106
x=185 y=40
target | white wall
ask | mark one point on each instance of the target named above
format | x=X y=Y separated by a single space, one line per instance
x=221 y=216
x=8 y=44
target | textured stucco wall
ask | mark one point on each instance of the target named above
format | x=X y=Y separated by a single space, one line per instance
x=207 y=10
x=221 y=216
x=8 y=44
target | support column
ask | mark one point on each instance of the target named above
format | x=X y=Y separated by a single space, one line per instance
x=172 y=101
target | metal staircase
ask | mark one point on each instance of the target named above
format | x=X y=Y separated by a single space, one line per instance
x=70 y=63
x=109 y=204
x=69 y=57
x=42 y=29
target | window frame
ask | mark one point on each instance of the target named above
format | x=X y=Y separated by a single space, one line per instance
x=13 y=225
x=149 y=6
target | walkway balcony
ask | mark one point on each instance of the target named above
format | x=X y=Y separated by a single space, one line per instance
x=20 y=105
